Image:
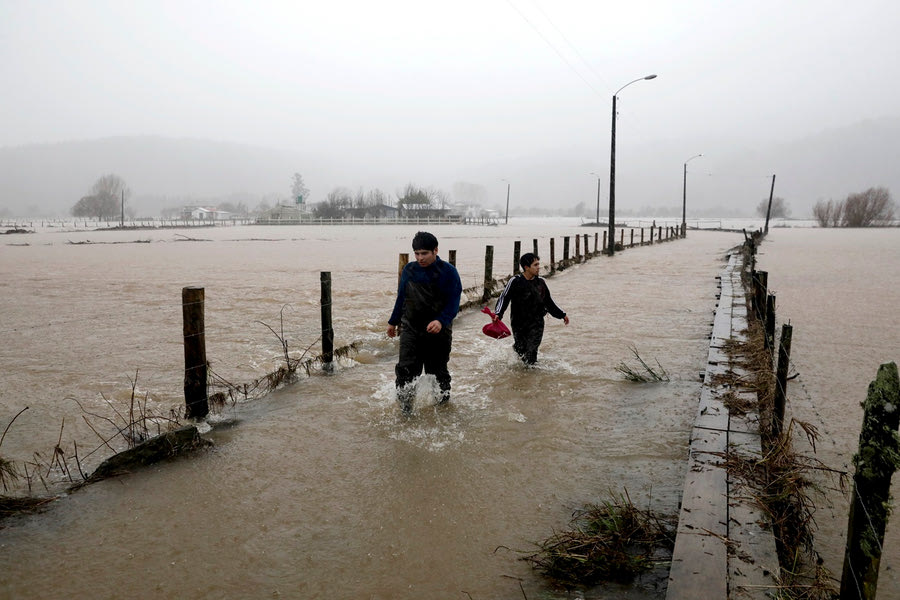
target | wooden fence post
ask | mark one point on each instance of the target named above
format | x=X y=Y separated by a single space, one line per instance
x=195 y=366
x=327 y=329
x=875 y=463
x=604 y=241
x=632 y=237
x=770 y=323
x=536 y=247
x=781 y=375
x=622 y=238
x=488 y=272
x=451 y=257
x=517 y=254
x=566 y=251
x=596 y=243
x=577 y=248
x=553 y=255
x=761 y=288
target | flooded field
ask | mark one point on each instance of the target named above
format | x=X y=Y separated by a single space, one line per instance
x=321 y=489
x=840 y=289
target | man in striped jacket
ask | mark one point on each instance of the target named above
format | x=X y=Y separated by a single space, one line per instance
x=530 y=298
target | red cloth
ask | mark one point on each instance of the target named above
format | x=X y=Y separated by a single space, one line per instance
x=495 y=329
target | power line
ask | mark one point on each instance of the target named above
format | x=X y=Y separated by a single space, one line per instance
x=553 y=47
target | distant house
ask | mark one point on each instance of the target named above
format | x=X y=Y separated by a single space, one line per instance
x=204 y=213
x=374 y=211
x=284 y=213
x=426 y=212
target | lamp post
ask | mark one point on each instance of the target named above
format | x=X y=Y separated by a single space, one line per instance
x=612 y=169
x=684 y=197
x=506 y=219
x=598 y=197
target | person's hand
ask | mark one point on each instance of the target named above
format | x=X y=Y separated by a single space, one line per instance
x=391 y=331
x=434 y=327
x=495 y=318
x=566 y=319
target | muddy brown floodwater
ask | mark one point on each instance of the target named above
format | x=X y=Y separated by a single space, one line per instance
x=321 y=489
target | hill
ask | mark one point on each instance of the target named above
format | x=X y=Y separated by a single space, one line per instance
x=730 y=179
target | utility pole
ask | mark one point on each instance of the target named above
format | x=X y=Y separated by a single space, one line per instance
x=506 y=219
x=769 y=210
x=612 y=182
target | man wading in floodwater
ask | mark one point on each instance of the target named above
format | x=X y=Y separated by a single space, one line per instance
x=427 y=301
x=531 y=300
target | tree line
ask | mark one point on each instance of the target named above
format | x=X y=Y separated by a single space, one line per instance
x=341 y=201
x=871 y=208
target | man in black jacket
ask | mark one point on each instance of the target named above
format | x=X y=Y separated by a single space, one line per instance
x=531 y=300
x=427 y=301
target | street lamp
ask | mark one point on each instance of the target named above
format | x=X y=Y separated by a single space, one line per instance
x=684 y=197
x=598 y=197
x=612 y=169
x=506 y=219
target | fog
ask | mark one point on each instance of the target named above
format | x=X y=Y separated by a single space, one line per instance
x=361 y=94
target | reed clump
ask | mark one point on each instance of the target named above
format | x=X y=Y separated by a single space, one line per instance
x=611 y=541
x=644 y=372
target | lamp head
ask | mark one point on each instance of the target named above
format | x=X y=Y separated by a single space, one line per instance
x=650 y=76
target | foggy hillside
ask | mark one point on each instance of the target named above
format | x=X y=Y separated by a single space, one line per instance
x=48 y=179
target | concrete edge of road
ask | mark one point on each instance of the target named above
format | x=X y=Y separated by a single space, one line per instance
x=724 y=544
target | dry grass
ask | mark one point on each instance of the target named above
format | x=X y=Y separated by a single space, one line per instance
x=612 y=541
x=780 y=482
x=10 y=506
x=8 y=472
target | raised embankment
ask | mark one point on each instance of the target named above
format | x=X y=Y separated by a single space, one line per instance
x=724 y=546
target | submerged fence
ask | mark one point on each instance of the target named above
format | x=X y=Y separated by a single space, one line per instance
x=879 y=443
x=197 y=397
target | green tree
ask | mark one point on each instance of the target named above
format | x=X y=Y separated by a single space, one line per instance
x=299 y=191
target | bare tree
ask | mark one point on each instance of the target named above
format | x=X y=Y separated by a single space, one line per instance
x=780 y=208
x=828 y=214
x=870 y=208
x=360 y=200
x=104 y=200
x=413 y=197
x=376 y=197
x=336 y=203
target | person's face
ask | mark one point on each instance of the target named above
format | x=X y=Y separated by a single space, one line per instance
x=534 y=269
x=425 y=257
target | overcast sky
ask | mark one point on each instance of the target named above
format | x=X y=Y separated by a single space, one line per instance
x=463 y=82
